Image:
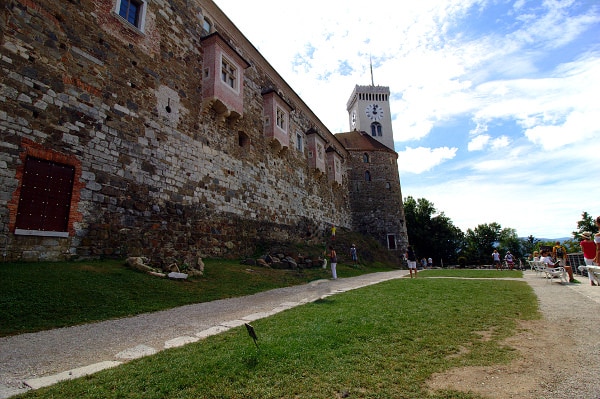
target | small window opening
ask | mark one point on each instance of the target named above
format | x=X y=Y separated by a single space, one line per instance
x=131 y=10
x=280 y=118
x=228 y=73
x=243 y=140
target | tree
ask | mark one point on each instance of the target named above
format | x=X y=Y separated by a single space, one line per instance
x=431 y=236
x=509 y=241
x=530 y=244
x=418 y=217
x=585 y=224
x=448 y=239
x=481 y=242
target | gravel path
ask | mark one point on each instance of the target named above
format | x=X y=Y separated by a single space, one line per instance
x=39 y=359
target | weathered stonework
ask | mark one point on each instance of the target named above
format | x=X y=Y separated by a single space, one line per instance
x=159 y=170
x=376 y=195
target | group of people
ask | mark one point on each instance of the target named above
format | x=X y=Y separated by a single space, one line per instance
x=508 y=258
x=426 y=263
x=590 y=246
x=555 y=258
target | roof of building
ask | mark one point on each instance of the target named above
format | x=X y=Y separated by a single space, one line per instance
x=361 y=141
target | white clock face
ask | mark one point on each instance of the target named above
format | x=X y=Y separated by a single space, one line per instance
x=374 y=112
x=353 y=118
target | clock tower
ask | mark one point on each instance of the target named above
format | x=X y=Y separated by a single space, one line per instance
x=369 y=111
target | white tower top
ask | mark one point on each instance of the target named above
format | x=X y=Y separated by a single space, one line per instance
x=369 y=111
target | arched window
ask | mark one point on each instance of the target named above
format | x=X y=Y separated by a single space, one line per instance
x=367 y=176
x=366 y=158
x=376 y=129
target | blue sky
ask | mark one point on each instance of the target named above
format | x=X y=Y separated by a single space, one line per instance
x=495 y=104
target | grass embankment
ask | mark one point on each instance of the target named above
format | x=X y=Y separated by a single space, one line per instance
x=41 y=296
x=382 y=341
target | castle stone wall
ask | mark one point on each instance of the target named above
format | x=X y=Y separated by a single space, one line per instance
x=161 y=175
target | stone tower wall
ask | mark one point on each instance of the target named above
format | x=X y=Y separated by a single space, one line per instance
x=158 y=172
x=376 y=205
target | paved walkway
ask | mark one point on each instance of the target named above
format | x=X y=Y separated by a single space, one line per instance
x=31 y=361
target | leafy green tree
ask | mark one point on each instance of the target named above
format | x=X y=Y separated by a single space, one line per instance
x=510 y=241
x=418 y=217
x=585 y=224
x=448 y=240
x=432 y=236
x=572 y=246
x=530 y=244
x=481 y=242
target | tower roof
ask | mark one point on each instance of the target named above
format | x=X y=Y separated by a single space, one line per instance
x=361 y=141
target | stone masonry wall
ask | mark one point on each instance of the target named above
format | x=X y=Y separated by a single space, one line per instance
x=377 y=207
x=160 y=175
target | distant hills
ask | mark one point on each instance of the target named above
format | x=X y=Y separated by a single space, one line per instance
x=561 y=239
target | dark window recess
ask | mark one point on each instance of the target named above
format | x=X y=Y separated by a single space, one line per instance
x=130 y=10
x=45 y=199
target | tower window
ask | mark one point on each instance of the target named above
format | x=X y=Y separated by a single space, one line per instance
x=299 y=142
x=132 y=11
x=367 y=176
x=376 y=129
x=206 y=26
x=280 y=118
x=228 y=73
x=365 y=158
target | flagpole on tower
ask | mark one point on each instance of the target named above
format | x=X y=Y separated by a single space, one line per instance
x=371 y=65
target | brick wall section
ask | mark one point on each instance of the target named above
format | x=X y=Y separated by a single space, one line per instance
x=77 y=84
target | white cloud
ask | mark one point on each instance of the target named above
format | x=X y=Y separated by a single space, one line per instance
x=479 y=142
x=521 y=94
x=421 y=159
x=500 y=143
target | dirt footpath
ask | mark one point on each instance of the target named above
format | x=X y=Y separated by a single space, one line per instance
x=560 y=353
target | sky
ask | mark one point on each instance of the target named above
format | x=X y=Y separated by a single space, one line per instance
x=495 y=104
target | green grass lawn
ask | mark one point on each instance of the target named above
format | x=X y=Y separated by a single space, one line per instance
x=41 y=296
x=381 y=341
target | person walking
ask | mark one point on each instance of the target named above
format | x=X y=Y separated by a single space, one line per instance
x=411 y=259
x=353 y=254
x=509 y=260
x=496 y=259
x=333 y=261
